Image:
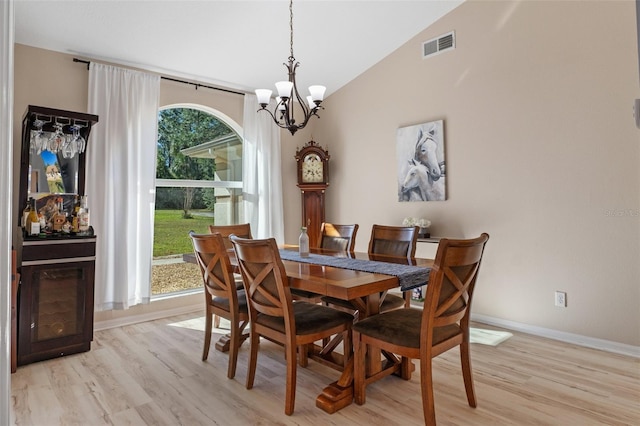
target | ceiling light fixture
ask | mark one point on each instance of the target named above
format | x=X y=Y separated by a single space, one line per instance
x=283 y=114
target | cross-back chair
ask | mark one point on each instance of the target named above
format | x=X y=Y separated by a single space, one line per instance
x=222 y=298
x=241 y=230
x=394 y=241
x=275 y=316
x=441 y=325
x=338 y=237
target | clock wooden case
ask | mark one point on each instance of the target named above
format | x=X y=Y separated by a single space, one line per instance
x=313 y=179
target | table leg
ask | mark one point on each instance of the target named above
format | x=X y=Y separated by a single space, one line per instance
x=339 y=394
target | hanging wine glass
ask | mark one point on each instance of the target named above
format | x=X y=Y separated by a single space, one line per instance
x=72 y=144
x=37 y=137
x=81 y=143
x=57 y=139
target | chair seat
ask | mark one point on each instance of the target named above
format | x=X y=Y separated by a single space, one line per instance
x=223 y=302
x=390 y=302
x=402 y=327
x=309 y=318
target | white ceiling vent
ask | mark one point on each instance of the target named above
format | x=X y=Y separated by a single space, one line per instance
x=439 y=44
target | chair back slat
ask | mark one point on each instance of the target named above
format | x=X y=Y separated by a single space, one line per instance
x=242 y=230
x=338 y=237
x=394 y=240
x=451 y=283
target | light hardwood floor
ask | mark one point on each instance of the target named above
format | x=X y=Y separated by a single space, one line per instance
x=151 y=373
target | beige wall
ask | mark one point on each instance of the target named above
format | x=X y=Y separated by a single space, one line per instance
x=541 y=148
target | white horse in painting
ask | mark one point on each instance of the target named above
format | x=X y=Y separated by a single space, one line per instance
x=426 y=152
x=419 y=186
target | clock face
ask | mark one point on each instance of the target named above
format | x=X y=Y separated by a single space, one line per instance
x=312 y=168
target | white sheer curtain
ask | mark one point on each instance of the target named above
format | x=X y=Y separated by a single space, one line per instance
x=121 y=166
x=261 y=173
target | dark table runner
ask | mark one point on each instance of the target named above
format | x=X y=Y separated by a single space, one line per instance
x=409 y=276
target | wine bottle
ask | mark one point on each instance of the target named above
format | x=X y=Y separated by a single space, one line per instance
x=303 y=242
x=25 y=214
x=33 y=222
x=83 y=216
x=74 y=215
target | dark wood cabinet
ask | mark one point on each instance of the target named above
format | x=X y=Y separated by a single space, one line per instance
x=56 y=298
x=55 y=293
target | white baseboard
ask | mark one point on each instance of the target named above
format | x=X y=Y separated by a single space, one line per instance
x=148 y=316
x=576 y=339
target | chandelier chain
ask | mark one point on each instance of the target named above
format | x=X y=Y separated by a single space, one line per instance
x=291 y=27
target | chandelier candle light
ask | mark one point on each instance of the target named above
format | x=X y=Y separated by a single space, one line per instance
x=283 y=114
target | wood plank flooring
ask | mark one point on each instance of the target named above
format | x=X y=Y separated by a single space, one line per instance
x=151 y=374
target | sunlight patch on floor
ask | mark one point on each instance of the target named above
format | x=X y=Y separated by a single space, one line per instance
x=198 y=325
x=488 y=337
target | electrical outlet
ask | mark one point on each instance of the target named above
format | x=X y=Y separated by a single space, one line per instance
x=561 y=299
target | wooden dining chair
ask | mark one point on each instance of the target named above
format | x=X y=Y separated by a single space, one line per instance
x=222 y=297
x=338 y=237
x=241 y=230
x=274 y=315
x=389 y=243
x=394 y=241
x=425 y=333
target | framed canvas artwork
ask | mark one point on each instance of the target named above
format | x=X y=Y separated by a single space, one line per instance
x=421 y=163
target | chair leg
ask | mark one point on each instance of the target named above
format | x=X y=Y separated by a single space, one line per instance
x=253 y=357
x=465 y=358
x=406 y=368
x=407 y=298
x=359 y=350
x=207 y=335
x=303 y=355
x=234 y=345
x=290 y=394
x=426 y=383
x=216 y=321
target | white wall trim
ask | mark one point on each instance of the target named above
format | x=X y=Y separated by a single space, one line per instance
x=576 y=339
x=6 y=194
x=148 y=316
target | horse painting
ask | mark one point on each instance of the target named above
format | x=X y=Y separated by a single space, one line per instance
x=421 y=169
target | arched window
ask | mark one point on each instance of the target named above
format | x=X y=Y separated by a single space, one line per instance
x=198 y=183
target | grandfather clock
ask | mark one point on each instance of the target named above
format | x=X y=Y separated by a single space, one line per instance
x=313 y=179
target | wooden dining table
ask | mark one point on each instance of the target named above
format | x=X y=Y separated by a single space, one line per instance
x=364 y=290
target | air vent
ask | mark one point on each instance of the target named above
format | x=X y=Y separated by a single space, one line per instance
x=439 y=44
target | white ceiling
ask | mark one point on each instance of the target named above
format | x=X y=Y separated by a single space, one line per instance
x=236 y=44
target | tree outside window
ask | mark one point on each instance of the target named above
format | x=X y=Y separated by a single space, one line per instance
x=198 y=183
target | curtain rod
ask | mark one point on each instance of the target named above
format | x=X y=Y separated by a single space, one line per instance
x=177 y=81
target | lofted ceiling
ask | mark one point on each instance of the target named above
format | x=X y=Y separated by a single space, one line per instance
x=236 y=44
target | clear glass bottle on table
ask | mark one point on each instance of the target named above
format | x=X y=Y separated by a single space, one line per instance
x=303 y=242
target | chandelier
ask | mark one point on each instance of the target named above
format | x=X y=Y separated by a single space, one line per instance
x=283 y=113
